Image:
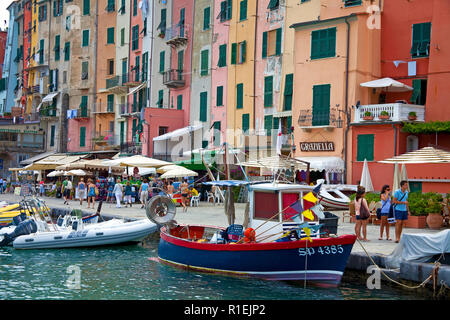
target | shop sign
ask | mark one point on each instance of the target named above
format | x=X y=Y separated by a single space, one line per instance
x=316 y=146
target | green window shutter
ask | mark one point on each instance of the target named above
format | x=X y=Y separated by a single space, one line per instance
x=82 y=136
x=122 y=132
x=288 y=124
x=278 y=42
x=204 y=63
x=264 y=45
x=365 y=147
x=203 y=106
x=137 y=66
x=135 y=7
x=134 y=129
x=83 y=106
x=85 y=42
x=321 y=105
x=233 y=53
x=421 y=37
x=268 y=91
x=111 y=5
x=206 y=18
x=135 y=102
x=288 y=86
x=122 y=37
x=273 y=4
x=180 y=102
x=162 y=56
x=417 y=84
x=162 y=24
x=110 y=35
x=84 y=70
x=145 y=66
x=160 y=98
x=216 y=135
x=243 y=10
x=52 y=135
x=219 y=97
x=67 y=51
x=86 y=7
x=243 y=51
x=41 y=51
x=245 y=122
x=222 y=55
x=239 y=96
x=57 y=47
x=323 y=43
x=110 y=102
x=276 y=123
x=229 y=9
x=135 y=38
x=268 y=120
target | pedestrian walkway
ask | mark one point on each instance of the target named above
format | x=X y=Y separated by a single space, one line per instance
x=214 y=215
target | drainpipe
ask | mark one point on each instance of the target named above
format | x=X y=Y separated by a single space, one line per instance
x=347 y=127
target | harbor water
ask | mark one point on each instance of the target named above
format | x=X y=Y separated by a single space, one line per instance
x=133 y=272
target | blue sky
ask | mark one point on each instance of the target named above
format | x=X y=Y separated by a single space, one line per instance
x=4 y=14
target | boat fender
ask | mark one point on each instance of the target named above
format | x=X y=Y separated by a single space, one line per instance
x=24 y=228
x=249 y=235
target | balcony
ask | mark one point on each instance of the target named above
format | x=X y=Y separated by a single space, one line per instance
x=131 y=148
x=124 y=109
x=21 y=146
x=164 y=157
x=117 y=85
x=397 y=112
x=83 y=114
x=48 y=113
x=104 y=109
x=131 y=79
x=176 y=35
x=173 y=78
x=105 y=140
x=308 y=119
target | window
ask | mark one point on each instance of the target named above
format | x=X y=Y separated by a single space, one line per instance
x=135 y=7
x=41 y=51
x=111 y=6
x=135 y=38
x=419 y=95
x=273 y=4
x=57 y=47
x=110 y=103
x=321 y=105
x=145 y=66
x=82 y=136
x=122 y=37
x=83 y=106
x=238 y=52
x=84 y=70
x=243 y=10
x=239 y=96
x=67 y=51
x=222 y=56
x=268 y=120
x=288 y=86
x=162 y=130
x=52 y=135
x=68 y=23
x=162 y=25
x=219 y=96
x=323 y=43
x=137 y=66
x=268 y=91
x=43 y=12
x=351 y=3
x=110 y=66
x=245 y=123
x=86 y=7
x=271 y=45
x=225 y=10
x=160 y=98
x=203 y=106
x=206 y=18
x=85 y=42
x=421 y=35
x=122 y=7
x=162 y=55
x=181 y=22
x=58 y=8
x=110 y=35
x=204 y=63
x=216 y=133
x=180 y=102
x=365 y=146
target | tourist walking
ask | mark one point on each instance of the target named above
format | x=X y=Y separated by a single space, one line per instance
x=118 y=192
x=385 y=196
x=41 y=188
x=81 y=190
x=92 y=192
x=184 y=188
x=1 y=185
x=67 y=188
x=401 y=209
x=170 y=189
x=128 y=194
x=143 y=192
x=362 y=214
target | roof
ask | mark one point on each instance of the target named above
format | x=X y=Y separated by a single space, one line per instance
x=314 y=22
x=37 y=158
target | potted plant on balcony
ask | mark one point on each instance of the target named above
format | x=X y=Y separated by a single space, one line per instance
x=384 y=115
x=368 y=116
x=161 y=35
x=412 y=116
x=7 y=115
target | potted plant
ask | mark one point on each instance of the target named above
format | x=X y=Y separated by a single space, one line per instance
x=417 y=207
x=412 y=116
x=161 y=35
x=384 y=115
x=434 y=210
x=368 y=115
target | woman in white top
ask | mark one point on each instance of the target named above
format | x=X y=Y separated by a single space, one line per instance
x=118 y=192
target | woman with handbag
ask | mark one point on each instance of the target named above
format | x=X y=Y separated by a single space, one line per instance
x=362 y=214
x=385 y=196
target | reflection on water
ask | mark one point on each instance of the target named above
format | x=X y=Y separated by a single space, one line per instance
x=128 y=272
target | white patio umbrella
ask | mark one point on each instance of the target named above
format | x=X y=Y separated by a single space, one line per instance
x=366 y=181
x=404 y=175
x=179 y=173
x=138 y=161
x=396 y=183
x=424 y=155
x=56 y=173
x=78 y=172
x=387 y=84
x=169 y=167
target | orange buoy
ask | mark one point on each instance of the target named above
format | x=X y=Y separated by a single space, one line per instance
x=249 y=235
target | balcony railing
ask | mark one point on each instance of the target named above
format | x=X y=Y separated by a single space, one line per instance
x=163 y=156
x=19 y=146
x=131 y=147
x=396 y=112
x=82 y=114
x=311 y=119
x=105 y=138
x=47 y=111
x=177 y=35
x=173 y=78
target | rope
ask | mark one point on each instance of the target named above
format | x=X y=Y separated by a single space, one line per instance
x=437 y=264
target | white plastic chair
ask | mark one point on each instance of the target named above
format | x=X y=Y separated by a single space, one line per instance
x=195 y=200
x=210 y=197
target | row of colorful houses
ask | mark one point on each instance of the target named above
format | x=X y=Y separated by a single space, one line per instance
x=157 y=76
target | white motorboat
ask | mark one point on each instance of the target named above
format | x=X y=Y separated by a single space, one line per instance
x=72 y=232
x=335 y=196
